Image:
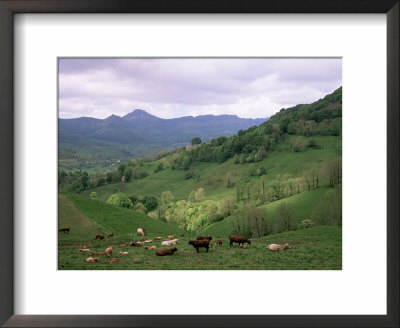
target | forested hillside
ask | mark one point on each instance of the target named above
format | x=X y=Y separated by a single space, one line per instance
x=90 y=143
x=242 y=178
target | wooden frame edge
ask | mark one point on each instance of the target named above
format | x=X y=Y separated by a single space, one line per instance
x=9 y=8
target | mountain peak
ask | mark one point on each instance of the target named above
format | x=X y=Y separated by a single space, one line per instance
x=113 y=117
x=138 y=114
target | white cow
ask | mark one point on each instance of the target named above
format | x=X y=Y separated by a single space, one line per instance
x=277 y=247
x=141 y=231
x=169 y=242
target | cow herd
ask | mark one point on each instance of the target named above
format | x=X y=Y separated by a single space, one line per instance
x=200 y=242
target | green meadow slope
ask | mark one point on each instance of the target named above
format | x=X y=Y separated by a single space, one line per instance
x=86 y=218
x=281 y=162
x=312 y=249
x=303 y=205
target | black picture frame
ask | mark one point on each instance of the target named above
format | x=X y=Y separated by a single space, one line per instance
x=10 y=7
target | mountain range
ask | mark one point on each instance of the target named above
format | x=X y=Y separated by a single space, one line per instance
x=91 y=143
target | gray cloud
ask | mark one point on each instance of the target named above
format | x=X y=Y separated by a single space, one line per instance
x=174 y=87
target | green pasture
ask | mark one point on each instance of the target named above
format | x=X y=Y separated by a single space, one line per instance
x=317 y=248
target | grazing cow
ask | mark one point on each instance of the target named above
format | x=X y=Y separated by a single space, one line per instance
x=200 y=243
x=219 y=242
x=142 y=239
x=243 y=246
x=98 y=236
x=136 y=244
x=181 y=235
x=157 y=238
x=98 y=253
x=165 y=252
x=92 y=259
x=204 y=237
x=123 y=253
x=277 y=247
x=64 y=229
x=172 y=236
x=238 y=239
x=110 y=235
x=109 y=251
x=123 y=245
x=150 y=248
x=148 y=241
x=141 y=231
x=114 y=260
x=169 y=242
x=84 y=250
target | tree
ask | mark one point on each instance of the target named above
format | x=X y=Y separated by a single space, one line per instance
x=121 y=200
x=166 y=197
x=285 y=217
x=150 y=203
x=109 y=177
x=329 y=211
x=196 y=141
x=128 y=174
x=298 y=145
x=283 y=123
x=140 y=208
x=257 y=221
x=261 y=171
x=229 y=180
x=101 y=182
x=84 y=180
x=200 y=195
x=260 y=154
x=192 y=196
x=226 y=205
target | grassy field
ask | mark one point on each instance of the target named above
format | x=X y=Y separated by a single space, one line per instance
x=303 y=206
x=317 y=248
x=211 y=175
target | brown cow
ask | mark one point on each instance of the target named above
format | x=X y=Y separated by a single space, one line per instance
x=238 y=239
x=204 y=237
x=92 y=259
x=165 y=252
x=136 y=244
x=114 y=260
x=64 y=229
x=200 y=243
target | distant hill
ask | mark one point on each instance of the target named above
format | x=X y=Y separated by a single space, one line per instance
x=89 y=143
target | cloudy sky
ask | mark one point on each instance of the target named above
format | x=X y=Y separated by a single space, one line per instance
x=167 y=88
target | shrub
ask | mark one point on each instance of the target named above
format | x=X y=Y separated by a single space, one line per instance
x=140 y=208
x=150 y=203
x=159 y=167
x=313 y=144
x=120 y=200
x=93 y=195
x=261 y=171
x=307 y=223
x=298 y=145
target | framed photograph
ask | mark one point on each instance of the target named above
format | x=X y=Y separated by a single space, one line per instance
x=182 y=164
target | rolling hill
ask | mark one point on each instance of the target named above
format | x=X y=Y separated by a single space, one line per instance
x=90 y=143
x=261 y=182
